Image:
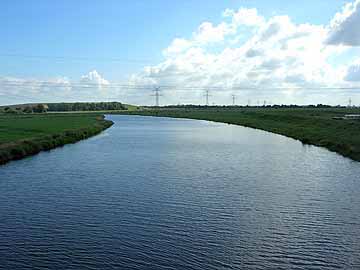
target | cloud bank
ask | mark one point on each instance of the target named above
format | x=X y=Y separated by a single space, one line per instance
x=246 y=54
x=249 y=51
x=90 y=87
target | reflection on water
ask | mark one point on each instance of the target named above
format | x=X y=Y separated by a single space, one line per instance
x=157 y=193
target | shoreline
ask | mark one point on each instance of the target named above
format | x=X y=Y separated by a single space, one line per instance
x=28 y=147
x=275 y=126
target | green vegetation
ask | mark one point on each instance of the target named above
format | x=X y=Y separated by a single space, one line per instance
x=310 y=125
x=26 y=134
x=24 y=108
x=86 y=106
x=22 y=135
x=132 y=107
x=66 y=107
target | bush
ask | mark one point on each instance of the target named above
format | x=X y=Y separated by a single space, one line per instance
x=28 y=109
x=11 y=111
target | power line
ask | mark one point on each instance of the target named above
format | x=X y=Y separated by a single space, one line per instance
x=172 y=87
x=77 y=58
x=89 y=85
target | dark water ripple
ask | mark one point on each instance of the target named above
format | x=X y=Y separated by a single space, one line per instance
x=155 y=193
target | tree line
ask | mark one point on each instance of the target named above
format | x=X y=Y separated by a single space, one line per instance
x=86 y=106
x=64 y=107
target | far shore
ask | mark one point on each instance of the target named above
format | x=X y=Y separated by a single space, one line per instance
x=324 y=127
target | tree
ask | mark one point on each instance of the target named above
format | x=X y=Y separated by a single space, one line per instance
x=40 y=108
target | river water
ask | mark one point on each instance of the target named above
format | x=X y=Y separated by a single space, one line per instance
x=159 y=193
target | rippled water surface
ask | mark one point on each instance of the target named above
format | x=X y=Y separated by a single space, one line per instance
x=157 y=193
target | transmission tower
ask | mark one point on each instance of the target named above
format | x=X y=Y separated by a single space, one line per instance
x=233 y=99
x=207 y=95
x=350 y=103
x=157 y=96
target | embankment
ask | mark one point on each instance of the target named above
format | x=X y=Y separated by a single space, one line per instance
x=26 y=147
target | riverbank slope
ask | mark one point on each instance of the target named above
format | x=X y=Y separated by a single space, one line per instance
x=314 y=126
x=28 y=134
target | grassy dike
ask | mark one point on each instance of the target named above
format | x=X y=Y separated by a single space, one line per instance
x=314 y=126
x=25 y=135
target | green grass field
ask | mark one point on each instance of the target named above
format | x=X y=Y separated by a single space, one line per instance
x=26 y=134
x=19 y=127
x=310 y=125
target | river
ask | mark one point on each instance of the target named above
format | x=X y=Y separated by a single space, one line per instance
x=160 y=193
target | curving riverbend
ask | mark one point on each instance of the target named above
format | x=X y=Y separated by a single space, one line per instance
x=160 y=193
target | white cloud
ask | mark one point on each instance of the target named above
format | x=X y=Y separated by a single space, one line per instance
x=94 y=78
x=207 y=33
x=254 y=53
x=91 y=86
x=276 y=53
x=244 y=16
x=178 y=45
x=345 y=27
x=353 y=72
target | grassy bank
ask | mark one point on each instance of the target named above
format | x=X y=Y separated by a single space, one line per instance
x=25 y=135
x=314 y=126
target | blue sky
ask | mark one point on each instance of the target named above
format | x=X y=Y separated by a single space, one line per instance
x=111 y=29
x=119 y=38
